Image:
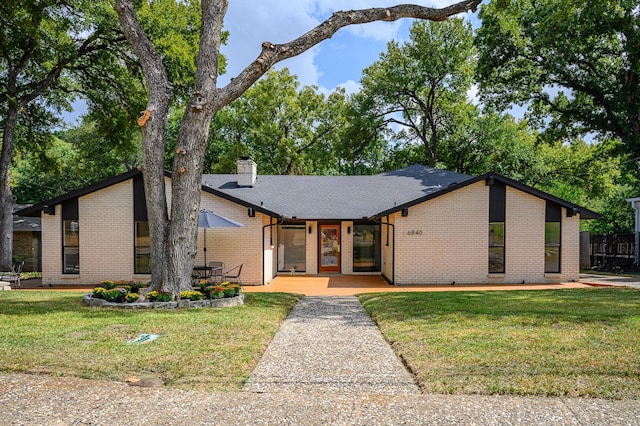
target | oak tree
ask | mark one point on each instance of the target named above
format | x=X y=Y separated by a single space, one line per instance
x=173 y=236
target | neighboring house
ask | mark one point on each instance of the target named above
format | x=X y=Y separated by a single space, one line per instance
x=416 y=225
x=26 y=240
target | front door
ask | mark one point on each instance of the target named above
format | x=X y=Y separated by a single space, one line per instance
x=329 y=240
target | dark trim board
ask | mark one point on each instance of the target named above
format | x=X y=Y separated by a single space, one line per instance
x=584 y=213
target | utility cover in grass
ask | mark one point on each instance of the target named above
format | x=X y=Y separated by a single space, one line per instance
x=142 y=339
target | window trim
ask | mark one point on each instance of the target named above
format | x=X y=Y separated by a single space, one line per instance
x=70 y=213
x=139 y=215
x=553 y=214
x=497 y=215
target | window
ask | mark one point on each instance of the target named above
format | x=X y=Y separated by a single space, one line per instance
x=292 y=248
x=142 y=248
x=366 y=247
x=552 y=238
x=497 y=205
x=496 y=247
x=70 y=237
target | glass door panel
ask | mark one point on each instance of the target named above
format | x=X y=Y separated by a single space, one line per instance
x=292 y=248
x=329 y=237
x=366 y=248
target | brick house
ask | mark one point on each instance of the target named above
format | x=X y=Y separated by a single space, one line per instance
x=416 y=225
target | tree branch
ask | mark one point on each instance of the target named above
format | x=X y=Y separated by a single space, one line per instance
x=272 y=53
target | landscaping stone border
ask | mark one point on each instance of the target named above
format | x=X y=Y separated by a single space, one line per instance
x=224 y=302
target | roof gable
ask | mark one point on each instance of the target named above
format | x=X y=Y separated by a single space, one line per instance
x=331 y=197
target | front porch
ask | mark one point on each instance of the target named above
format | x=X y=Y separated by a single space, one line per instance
x=348 y=285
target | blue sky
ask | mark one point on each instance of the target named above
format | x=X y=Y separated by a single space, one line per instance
x=338 y=61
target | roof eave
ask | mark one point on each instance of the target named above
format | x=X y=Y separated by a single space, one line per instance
x=584 y=212
x=34 y=210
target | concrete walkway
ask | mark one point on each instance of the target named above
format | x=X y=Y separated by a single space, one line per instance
x=611 y=280
x=330 y=345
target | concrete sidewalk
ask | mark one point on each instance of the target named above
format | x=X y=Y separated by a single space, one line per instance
x=611 y=280
x=330 y=345
x=44 y=400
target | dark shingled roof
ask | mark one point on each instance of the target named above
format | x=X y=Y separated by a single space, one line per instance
x=331 y=197
x=336 y=197
x=23 y=223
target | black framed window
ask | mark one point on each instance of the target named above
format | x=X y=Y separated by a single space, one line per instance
x=292 y=248
x=552 y=238
x=142 y=244
x=366 y=247
x=70 y=237
x=497 y=207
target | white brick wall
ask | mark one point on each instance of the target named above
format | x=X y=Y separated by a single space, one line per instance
x=441 y=241
x=446 y=239
x=106 y=238
x=524 y=237
x=387 y=233
x=234 y=246
x=312 y=248
x=346 y=248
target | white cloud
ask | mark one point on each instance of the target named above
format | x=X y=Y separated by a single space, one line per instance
x=350 y=87
x=251 y=23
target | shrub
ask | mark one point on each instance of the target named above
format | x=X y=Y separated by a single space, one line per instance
x=108 y=284
x=131 y=297
x=230 y=290
x=99 y=293
x=214 y=292
x=116 y=295
x=159 y=296
x=191 y=295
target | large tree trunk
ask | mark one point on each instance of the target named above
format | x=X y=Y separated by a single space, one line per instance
x=188 y=161
x=181 y=232
x=6 y=197
x=152 y=123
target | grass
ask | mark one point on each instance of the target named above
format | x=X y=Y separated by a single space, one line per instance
x=52 y=332
x=549 y=343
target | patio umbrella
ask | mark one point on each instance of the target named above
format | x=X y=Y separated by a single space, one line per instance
x=209 y=219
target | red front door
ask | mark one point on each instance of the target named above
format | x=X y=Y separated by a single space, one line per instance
x=329 y=248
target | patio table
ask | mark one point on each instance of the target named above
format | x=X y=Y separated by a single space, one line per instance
x=204 y=272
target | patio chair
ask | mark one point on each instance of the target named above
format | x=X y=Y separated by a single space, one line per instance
x=14 y=275
x=217 y=271
x=233 y=274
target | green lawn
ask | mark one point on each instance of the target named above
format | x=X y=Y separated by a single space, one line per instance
x=208 y=349
x=555 y=342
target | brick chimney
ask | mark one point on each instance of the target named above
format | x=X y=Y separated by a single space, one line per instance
x=247 y=172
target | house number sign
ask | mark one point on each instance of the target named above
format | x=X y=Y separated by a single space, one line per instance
x=414 y=232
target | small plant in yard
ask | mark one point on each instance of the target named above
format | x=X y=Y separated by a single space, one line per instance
x=159 y=296
x=116 y=295
x=214 y=292
x=132 y=297
x=191 y=295
x=108 y=284
x=99 y=293
x=230 y=289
